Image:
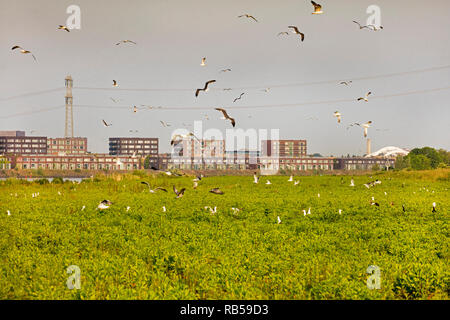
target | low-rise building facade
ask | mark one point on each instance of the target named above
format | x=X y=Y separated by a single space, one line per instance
x=66 y=146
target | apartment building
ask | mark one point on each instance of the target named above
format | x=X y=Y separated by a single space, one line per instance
x=363 y=163
x=66 y=146
x=80 y=162
x=283 y=148
x=21 y=144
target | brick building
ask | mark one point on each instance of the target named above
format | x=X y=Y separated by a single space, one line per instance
x=63 y=146
x=363 y=163
x=138 y=146
x=283 y=148
x=21 y=144
x=81 y=162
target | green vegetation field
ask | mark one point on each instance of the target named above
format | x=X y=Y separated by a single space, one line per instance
x=189 y=253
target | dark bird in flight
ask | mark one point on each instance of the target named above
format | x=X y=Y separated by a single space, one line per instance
x=227 y=117
x=179 y=193
x=225 y=70
x=296 y=31
x=345 y=82
x=239 y=98
x=216 y=191
x=125 y=41
x=285 y=33
x=205 y=88
x=317 y=8
x=248 y=16
x=115 y=83
x=22 y=50
x=106 y=124
x=60 y=27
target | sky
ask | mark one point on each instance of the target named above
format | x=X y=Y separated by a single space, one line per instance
x=173 y=36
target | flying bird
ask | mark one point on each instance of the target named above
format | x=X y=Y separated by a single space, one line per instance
x=248 y=16
x=227 y=117
x=178 y=193
x=182 y=136
x=296 y=31
x=106 y=124
x=164 y=124
x=22 y=50
x=203 y=62
x=283 y=33
x=374 y=28
x=366 y=97
x=225 y=70
x=366 y=126
x=216 y=191
x=135 y=109
x=360 y=26
x=205 y=88
x=125 y=41
x=115 y=83
x=338 y=115
x=345 y=82
x=317 y=8
x=151 y=190
x=60 y=27
x=239 y=98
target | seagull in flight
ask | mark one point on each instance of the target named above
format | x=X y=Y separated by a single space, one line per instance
x=106 y=124
x=345 y=82
x=179 y=193
x=203 y=62
x=150 y=189
x=239 y=98
x=365 y=126
x=360 y=26
x=366 y=97
x=22 y=50
x=125 y=41
x=283 y=33
x=115 y=83
x=164 y=124
x=182 y=136
x=205 y=88
x=248 y=16
x=296 y=31
x=227 y=117
x=60 y=27
x=225 y=70
x=338 y=115
x=317 y=8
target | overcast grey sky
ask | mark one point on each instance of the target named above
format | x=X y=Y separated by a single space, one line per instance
x=173 y=35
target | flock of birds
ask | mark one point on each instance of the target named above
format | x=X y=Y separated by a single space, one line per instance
x=294 y=30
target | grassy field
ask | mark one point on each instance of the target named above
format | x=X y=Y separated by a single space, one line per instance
x=188 y=252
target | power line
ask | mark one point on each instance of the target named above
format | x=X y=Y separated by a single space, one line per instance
x=30 y=94
x=336 y=81
x=271 y=105
x=31 y=112
x=236 y=107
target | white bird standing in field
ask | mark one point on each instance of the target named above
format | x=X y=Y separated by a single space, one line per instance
x=318 y=195
x=434 y=207
x=291 y=178
x=340 y=211
x=304 y=212
x=296 y=182
x=128 y=208
x=255 y=178
x=8 y=212
x=352 y=183
x=84 y=207
x=235 y=210
x=268 y=182
x=309 y=211
x=278 y=220
x=164 y=209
